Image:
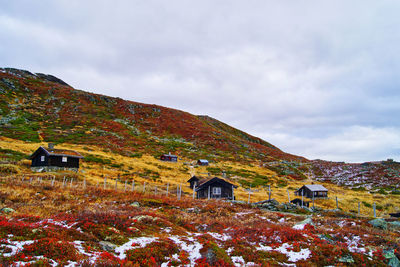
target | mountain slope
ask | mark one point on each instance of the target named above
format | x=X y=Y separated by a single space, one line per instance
x=38 y=107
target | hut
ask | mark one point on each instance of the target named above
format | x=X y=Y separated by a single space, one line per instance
x=169 y=157
x=202 y=162
x=312 y=191
x=212 y=188
x=51 y=159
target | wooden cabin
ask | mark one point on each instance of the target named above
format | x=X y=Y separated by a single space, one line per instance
x=212 y=187
x=202 y=162
x=169 y=157
x=312 y=191
x=52 y=159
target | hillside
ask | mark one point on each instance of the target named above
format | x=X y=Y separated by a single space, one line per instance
x=38 y=107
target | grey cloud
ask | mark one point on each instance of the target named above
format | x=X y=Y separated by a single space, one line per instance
x=315 y=78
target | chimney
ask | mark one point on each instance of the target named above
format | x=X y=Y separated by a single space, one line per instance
x=51 y=145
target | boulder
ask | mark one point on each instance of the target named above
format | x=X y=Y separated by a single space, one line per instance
x=7 y=210
x=395 y=224
x=135 y=204
x=393 y=260
x=379 y=223
x=108 y=246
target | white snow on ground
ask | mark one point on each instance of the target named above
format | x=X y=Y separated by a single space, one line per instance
x=353 y=244
x=192 y=248
x=240 y=262
x=15 y=246
x=58 y=223
x=299 y=226
x=292 y=255
x=132 y=244
x=243 y=213
x=281 y=220
x=221 y=237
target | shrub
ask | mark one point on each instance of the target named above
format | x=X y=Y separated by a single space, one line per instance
x=9 y=168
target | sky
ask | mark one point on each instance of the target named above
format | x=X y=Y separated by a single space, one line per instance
x=320 y=79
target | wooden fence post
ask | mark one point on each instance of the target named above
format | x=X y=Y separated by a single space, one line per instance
x=269 y=192
x=288 y=195
x=358 y=208
x=167 y=188
x=302 y=196
x=208 y=192
x=84 y=183
x=125 y=185
x=72 y=179
x=180 y=191
x=337 y=204
x=233 y=193
x=144 y=187
x=105 y=182
x=155 y=190
x=116 y=184
x=133 y=185
x=374 y=210
x=194 y=190
x=52 y=181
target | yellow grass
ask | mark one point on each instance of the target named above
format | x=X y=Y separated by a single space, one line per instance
x=178 y=173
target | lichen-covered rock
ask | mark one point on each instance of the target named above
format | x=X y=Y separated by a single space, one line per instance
x=379 y=223
x=108 y=246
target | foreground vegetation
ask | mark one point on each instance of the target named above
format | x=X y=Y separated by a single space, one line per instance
x=51 y=225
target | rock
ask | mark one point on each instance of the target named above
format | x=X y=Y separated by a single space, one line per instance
x=347 y=258
x=393 y=260
x=394 y=224
x=379 y=223
x=135 y=204
x=327 y=238
x=7 y=210
x=107 y=246
x=142 y=218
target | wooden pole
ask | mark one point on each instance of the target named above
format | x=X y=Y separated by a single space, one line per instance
x=269 y=192
x=374 y=210
x=194 y=190
x=337 y=204
x=30 y=180
x=116 y=184
x=52 y=181
x=177 y=191
x=288 y=195
x=180 y=191
x=359 y=208
x=72 y=179
x=302 y=196
x=248 y=200
x=313 y=206
x=84 y=183
x=105 y=182
x=133 y=185
x=233 y=193
x=126 y=181
x=144 y=187
x=167 y=188
x=155 y=190
x=208 y=192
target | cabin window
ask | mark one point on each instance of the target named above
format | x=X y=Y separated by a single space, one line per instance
x=42 y=158
x=64 y=159
x=216 y=190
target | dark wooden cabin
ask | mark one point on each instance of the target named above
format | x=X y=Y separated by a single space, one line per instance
x=212 y=187
x=169 y=157
x=312 y=191
x=51 y=157
x=202 y=162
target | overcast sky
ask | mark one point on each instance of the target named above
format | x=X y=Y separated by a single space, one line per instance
x=320 y=79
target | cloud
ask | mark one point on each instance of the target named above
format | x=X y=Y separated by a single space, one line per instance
x=310 y=77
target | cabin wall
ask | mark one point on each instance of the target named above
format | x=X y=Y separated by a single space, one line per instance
x=226 y=191
x=57 y=162
x=36 y=162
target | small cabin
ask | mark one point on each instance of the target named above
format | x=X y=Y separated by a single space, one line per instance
x=54 y=159
x=212 y=188
x=202 y=162
x=169 y=157
x=312 y=191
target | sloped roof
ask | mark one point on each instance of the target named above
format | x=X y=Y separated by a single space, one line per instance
x=203 y=160
x=316 y=187
x=170 y=155
x=58 y=152
x=208 y=181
